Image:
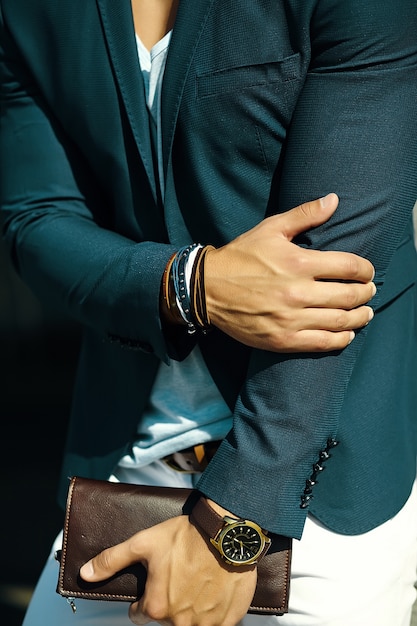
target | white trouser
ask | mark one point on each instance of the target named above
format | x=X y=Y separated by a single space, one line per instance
x=336 y=580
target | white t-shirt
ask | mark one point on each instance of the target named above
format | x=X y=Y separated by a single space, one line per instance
x=185 y=407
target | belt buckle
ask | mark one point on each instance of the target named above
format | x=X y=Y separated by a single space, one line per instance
x=193 y=460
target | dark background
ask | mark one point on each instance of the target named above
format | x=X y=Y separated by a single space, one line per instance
x=38 y=353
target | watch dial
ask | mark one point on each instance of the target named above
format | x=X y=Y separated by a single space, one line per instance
x=241 y=543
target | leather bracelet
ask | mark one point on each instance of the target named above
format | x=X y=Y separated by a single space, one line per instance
x=198 y=291
x=178 y=305
x=168 y=305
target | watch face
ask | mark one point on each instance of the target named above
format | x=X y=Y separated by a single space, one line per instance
x=241 y=543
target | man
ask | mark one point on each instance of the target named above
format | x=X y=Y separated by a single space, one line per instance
x=113 y=168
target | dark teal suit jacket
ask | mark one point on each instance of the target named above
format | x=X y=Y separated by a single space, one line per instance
x=266 y=103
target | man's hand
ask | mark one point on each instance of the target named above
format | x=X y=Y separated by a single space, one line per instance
x=186 y=583
x=269 y=293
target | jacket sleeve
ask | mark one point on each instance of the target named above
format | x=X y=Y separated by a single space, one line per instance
x=51 y=221
x=353 y=133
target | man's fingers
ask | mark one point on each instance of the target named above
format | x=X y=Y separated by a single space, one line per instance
x=110 y=561
x=322 y=341
x=263 y=290
x=321 y=330
x=335 y=295
x=308 y=215
x=329 y=265
x=336 y=320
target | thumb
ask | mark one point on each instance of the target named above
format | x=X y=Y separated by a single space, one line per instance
x=112 y=560
x=308 y=215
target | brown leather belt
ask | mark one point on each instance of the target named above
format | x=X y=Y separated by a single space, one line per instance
x=193 y=460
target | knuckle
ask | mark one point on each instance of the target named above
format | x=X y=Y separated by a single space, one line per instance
x=285 y=341
x=324 y=342
x=358 y=268
x=296 y=298
x=155 y=610
x=351 y=297
x=353 y=265
x=301 y=262
x=307 y=209
x=104 y=560
x=329 y=341
x=341 y=321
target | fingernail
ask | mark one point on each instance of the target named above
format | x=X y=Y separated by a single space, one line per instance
x=87 y=570
x=352 y=336
x=374 y=289
x=323 y=200
x=371 y=314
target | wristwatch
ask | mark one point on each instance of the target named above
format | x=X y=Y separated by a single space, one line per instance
x=238 y=541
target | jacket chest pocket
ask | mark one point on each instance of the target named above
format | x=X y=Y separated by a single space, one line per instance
x=283 y=73
x=244 y=111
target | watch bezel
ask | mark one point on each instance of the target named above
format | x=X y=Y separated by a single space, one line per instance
x=230 y=524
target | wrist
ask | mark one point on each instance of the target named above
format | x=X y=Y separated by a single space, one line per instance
x=219 y=509
x=238 y=542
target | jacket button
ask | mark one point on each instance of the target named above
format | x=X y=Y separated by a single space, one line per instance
x=332 y=443
x=305 y=501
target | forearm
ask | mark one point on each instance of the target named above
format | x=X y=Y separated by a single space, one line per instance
x=101 y=278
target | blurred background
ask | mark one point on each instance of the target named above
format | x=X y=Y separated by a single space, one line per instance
x=38 y=353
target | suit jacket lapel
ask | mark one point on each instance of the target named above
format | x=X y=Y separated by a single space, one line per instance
x=119 y=31
x=189 y=23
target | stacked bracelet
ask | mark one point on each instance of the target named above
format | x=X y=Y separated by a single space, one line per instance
x=169 y=305
x=183 y=289
x=198 y=291
x=181 y=285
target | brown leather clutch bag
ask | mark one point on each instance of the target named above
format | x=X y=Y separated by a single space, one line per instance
x=100 y=514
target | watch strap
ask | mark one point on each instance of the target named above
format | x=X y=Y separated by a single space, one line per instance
x=206 y=518
x=211 y=524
